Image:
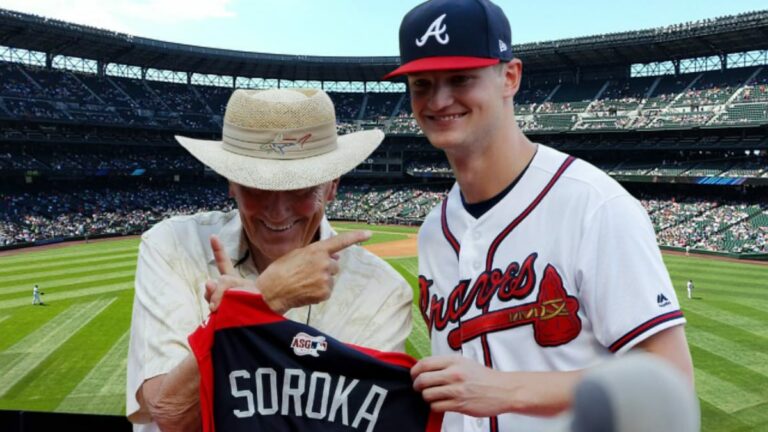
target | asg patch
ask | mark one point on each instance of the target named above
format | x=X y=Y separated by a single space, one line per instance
x=304 y=344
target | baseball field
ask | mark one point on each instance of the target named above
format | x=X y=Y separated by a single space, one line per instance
x=69 y=355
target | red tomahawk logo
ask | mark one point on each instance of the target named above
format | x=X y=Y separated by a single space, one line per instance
x=553 y=315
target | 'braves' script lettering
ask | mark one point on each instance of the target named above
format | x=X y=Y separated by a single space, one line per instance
x=516 y=282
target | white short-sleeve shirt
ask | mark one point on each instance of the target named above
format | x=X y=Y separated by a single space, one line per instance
x=370 y=304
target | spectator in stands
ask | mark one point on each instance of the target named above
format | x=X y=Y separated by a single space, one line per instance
x=281 y=244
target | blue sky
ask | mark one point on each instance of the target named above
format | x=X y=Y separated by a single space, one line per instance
x=356 y=27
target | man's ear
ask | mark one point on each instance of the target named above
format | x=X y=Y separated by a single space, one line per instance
x=230 y=190
x=513 y=75
x=333 y=188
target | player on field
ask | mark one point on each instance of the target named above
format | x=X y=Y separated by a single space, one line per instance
x=283 y=158
x=36 y=300
x=537 y=265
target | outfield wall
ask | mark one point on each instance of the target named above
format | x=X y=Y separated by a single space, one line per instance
x=733 y=255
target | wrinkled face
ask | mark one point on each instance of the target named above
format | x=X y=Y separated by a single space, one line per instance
x=277 y=222
x=459 y=108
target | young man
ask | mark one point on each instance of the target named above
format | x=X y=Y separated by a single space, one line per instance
x=689 y=288
x=537 y=265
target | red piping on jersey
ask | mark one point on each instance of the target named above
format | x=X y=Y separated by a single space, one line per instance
x=642 y=328
x=497 y=241
x=446 y=231
x=244 y=308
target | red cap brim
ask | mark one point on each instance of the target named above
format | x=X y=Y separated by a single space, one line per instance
x=441 y=63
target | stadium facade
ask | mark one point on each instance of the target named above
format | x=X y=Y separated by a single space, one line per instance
x=678 y=114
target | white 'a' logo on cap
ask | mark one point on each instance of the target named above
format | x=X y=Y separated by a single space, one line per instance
x=436 y=29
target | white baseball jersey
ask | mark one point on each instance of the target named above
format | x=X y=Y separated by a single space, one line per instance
x=561 y=273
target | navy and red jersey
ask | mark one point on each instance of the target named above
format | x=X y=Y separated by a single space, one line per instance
x=262 y=372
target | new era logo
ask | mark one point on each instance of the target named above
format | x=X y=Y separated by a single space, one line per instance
x=502 y=46
x=662 y=300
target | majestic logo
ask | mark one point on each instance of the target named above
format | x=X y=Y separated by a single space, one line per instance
x=553 y=315
x=436 y=29
x=502 y=46
x=662 y=300
x=279 y=143
x=304 y=344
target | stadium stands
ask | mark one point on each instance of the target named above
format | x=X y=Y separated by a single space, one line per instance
x=703 y=224
x=737 y=96
x=85 y=130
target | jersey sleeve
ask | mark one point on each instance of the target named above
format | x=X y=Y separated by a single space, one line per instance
x=621 y=278
x=165 y=310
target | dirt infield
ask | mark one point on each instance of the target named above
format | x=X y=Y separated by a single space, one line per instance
x=395 y=249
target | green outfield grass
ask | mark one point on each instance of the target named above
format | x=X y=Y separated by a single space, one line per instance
x=70 y=355
x=381 y=233
x=341 y=226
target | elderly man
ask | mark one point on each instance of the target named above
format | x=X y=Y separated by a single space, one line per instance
x=283 y=158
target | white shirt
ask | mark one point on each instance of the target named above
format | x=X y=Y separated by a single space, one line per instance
x=370 y=304
x=581 y=237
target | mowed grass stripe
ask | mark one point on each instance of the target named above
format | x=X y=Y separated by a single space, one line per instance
x=755 y=416
x=719 y=270
x=724 y=395
x=716 y=420
x=72 y=294
x=418 y=343
x=754 y=303
x=698 y=322
x=55 y=377
x=23 y=357
x=742 y=353
x=64 y=285
x=46 y=280
x=102 y=391
x=715 y=264
x=3 y=318
x=14 y=270
x=750 y=320
x=707 y=282
x=736 y=386
x=69 y=253
x=350 y=226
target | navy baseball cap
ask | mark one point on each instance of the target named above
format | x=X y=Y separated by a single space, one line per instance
x=453 y=34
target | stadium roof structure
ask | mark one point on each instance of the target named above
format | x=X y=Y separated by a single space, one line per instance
x=719 y=36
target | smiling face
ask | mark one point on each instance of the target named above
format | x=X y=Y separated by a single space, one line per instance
x=277 y=222
x=461 y=109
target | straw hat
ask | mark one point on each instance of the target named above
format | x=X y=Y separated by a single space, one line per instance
x=282 y=139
